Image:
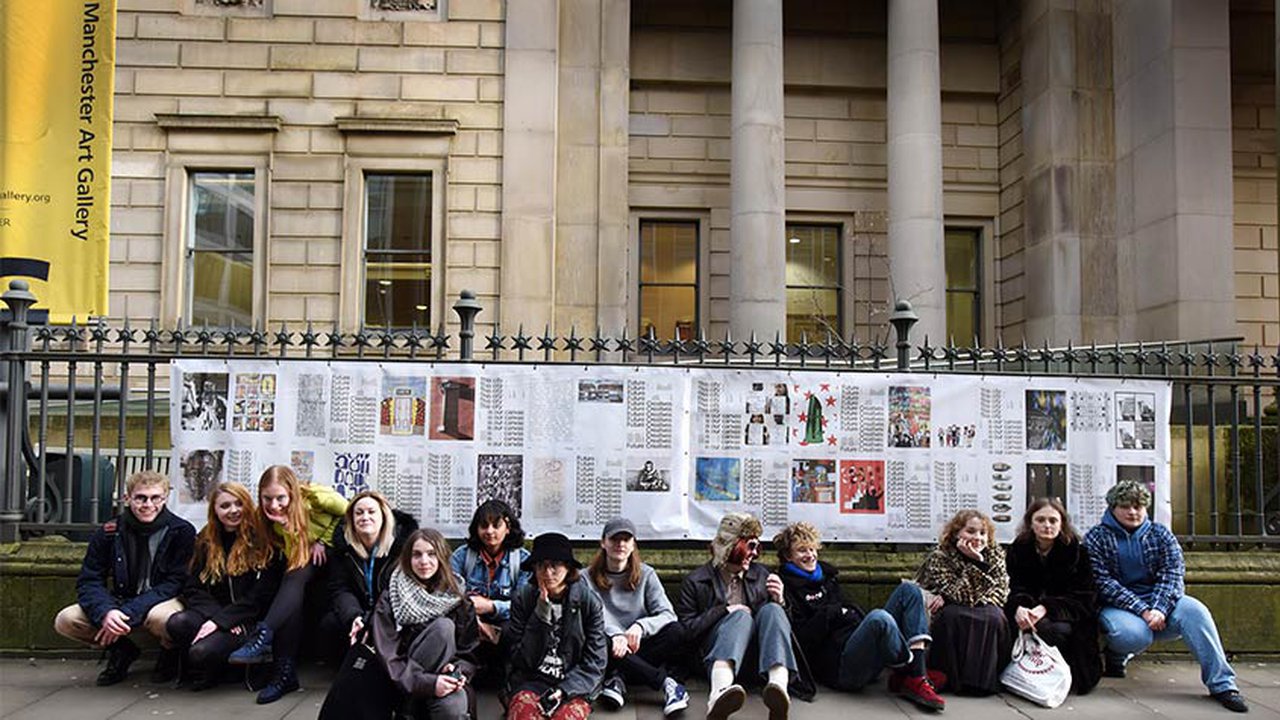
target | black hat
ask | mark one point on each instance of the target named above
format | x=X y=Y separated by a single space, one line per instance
x=550 y=546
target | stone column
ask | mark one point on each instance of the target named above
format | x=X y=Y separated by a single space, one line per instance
x=916 y=269
x=1174 y=169
x=1068 y=155
x=527 y=275
x=757 y=205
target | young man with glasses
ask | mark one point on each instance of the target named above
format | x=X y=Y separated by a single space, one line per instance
x=732 y=610
x=135 y=565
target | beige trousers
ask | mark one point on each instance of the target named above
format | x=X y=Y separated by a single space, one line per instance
x=72 y=622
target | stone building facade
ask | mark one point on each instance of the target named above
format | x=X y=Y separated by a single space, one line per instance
x=1088 y=170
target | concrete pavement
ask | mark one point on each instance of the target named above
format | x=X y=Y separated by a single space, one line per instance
x=64 y=690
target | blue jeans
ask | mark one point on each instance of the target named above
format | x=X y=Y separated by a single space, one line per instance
x=884 y=637
x=1127 y=635
x=768 y=630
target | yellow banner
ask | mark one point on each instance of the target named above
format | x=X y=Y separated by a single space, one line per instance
x=57 y=68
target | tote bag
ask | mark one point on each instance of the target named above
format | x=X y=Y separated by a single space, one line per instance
x=1038 y=671
x=362 y=689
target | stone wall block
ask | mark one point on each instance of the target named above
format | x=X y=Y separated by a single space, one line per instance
x=273 y=30
x=315 y=57
x=172 y=27
x=224 y=55
x=178 y=82
x=450 y=34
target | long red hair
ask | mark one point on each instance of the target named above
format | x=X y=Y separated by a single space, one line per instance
x=252 y=547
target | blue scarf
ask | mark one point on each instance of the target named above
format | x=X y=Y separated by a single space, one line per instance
x=815 y=576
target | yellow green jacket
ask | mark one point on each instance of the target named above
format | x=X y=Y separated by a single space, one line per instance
x=325 y=507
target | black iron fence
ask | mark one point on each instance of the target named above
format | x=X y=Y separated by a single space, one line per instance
x=83 y=406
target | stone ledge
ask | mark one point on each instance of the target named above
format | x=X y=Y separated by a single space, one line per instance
x=398 y=126
x=222 y=123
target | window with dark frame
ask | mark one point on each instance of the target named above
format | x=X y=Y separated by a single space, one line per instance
x=668 y=301
x=813 y=281
x=964 y=285
x=220 y=242
x=397 y=250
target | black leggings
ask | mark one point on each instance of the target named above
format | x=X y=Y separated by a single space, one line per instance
x=211 y=652
x=285 y=616
x=646 y=664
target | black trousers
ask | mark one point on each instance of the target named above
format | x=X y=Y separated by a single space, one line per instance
x=647 y=664
x=210 y=654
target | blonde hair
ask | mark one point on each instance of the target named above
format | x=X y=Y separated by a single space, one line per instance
x=795 y=535
x=299 y=554
x=252 y=547
x=953 y=527
x=386 y=535
x=146 y=477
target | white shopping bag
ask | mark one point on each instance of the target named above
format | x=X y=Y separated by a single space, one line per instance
x=1038 y=671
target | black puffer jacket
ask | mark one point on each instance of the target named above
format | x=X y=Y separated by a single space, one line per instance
x=347 y=589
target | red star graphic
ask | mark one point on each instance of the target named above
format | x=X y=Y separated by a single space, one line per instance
x=831 y=401
x=807 y=394
x=824 y=422
x=824 y=387
x=804 y=417
x=831 y=439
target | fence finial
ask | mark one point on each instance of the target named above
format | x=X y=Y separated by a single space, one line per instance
x=902 y=319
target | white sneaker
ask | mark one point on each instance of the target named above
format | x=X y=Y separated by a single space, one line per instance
x=677 y=698
x=726 y=702
x=777 y=700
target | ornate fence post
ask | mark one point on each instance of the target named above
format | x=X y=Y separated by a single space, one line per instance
x=467 y=307
x=902 y=319
x=13 y=417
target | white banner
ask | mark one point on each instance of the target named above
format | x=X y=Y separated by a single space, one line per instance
x=864 y=456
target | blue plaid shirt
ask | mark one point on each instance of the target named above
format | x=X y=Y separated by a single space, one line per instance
x=500 y=588
x=1161 y=555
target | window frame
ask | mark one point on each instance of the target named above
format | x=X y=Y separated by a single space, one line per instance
x=176 y=288
x=844 y=291
x=987 y=306
x=355 y=225
x=701 y=301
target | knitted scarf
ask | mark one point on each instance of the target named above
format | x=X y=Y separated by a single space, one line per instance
x=413 y=604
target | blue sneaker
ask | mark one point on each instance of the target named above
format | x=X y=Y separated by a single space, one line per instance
x=256 y=650
x=677 y=697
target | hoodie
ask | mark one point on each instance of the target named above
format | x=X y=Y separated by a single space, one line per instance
x=1137 y=571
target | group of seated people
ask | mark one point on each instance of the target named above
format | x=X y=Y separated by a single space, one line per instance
x=555 y=636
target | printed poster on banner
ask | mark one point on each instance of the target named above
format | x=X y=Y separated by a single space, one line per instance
x=864 y=456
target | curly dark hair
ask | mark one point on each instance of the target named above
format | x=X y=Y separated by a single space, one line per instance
x=490 y=512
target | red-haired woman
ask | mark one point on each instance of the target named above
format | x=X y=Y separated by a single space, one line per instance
x=969 y=585
x=303 y=518
x=234 y=575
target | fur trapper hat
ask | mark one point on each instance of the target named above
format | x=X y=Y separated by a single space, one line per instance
x=733 y=527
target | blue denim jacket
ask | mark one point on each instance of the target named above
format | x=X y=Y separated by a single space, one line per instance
x=504 y=584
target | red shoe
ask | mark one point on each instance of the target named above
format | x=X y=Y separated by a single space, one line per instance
x=920 y=691
x=937 y=679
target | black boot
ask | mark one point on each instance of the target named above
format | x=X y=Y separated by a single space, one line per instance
x=120 y=655
x=168 y=666
x=283 y=681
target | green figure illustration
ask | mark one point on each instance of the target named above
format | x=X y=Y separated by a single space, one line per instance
x=813 y=433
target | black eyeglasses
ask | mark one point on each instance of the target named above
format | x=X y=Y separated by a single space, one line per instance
x=144 y=499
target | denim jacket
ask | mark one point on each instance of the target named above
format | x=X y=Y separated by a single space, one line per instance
x=504 y=584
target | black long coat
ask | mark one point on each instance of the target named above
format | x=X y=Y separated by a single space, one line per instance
x=1062 y=581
